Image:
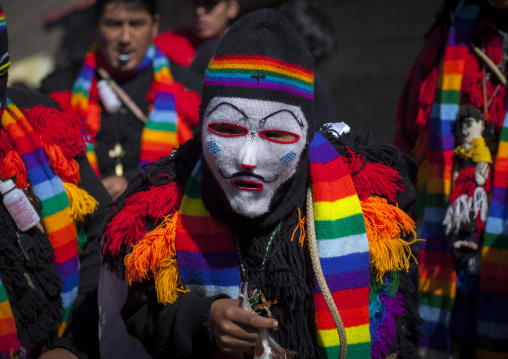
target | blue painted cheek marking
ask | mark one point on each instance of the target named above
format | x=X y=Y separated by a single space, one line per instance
x=288 y=157
x=213 y=147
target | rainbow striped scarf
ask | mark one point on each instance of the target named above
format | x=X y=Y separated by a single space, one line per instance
x=207 y=260
x=160 y=135
x=56 y=212
x=437 y=270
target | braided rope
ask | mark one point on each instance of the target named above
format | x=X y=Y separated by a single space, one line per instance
x=318 y=271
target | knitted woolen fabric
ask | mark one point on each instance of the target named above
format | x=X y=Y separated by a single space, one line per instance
x=262 y=57
x=36 y=313
x=198 y=255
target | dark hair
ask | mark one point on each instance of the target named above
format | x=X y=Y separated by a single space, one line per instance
x=466 y=112
x=313 y=24
x=148 y=5
x=469 y=111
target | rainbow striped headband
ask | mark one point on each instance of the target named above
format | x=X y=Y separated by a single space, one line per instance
x=261 y=72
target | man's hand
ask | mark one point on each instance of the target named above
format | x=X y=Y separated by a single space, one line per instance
x=115 y=185
x=235 y=330
x=58 y=353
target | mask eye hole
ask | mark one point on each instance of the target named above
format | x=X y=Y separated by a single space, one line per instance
x=227 y=129
x=279 y=136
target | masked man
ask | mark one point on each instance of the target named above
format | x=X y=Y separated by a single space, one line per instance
x=245 y=204
x=149 y=114
x=462 y=65
x=48 y=271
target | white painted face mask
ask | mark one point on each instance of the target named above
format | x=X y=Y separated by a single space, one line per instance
x=252 y=147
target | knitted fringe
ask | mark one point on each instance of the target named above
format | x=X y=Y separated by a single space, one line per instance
x=176 y=168
x=66 y=168
x=128 y=226
x=168 y=283
x=386 y=331
x=373 y=178
x=63 y=128
x=384 y=224
x=390 y=282
x=11 y=164
x=408 y=324
x=80 y=201
x=154 y=256
x=149 y=253
x=374 y=151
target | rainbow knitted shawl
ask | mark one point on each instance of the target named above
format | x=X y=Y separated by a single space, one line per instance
x=160 y=134
x=208 y=261
x=57 y=218
x=437 y=272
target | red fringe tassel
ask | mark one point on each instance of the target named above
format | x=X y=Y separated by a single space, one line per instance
x=128 y=226
x=373 y=178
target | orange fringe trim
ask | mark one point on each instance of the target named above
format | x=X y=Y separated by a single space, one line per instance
x=384 y=224
x=301 y=226
x=155 y=256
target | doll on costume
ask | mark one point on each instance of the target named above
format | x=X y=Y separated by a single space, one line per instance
x=467 y=211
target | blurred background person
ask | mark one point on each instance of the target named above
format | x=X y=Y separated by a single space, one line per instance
x=452 y=116
x=209 y=19
x=151 y=111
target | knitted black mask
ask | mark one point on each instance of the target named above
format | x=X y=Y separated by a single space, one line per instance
x=257 y=110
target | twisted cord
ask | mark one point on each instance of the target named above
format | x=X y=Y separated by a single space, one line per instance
x=314 y=255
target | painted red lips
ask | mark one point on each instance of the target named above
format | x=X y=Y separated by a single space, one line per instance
x=247 y=185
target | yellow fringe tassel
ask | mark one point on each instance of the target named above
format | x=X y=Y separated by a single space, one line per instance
x=81 y=202
x=301 y=226
x=168 y=283
x=155 y=256
x=384 y=224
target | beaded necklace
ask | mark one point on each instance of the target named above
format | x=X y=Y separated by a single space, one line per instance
x=255 y=295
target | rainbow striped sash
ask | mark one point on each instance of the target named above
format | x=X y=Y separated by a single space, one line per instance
x=492 y=326
x=208 y=263
x=160 y=135
x=344 y=252
x=437 y=278
x=55 y=213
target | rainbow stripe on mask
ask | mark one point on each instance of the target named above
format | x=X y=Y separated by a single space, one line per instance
x=261 y=72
